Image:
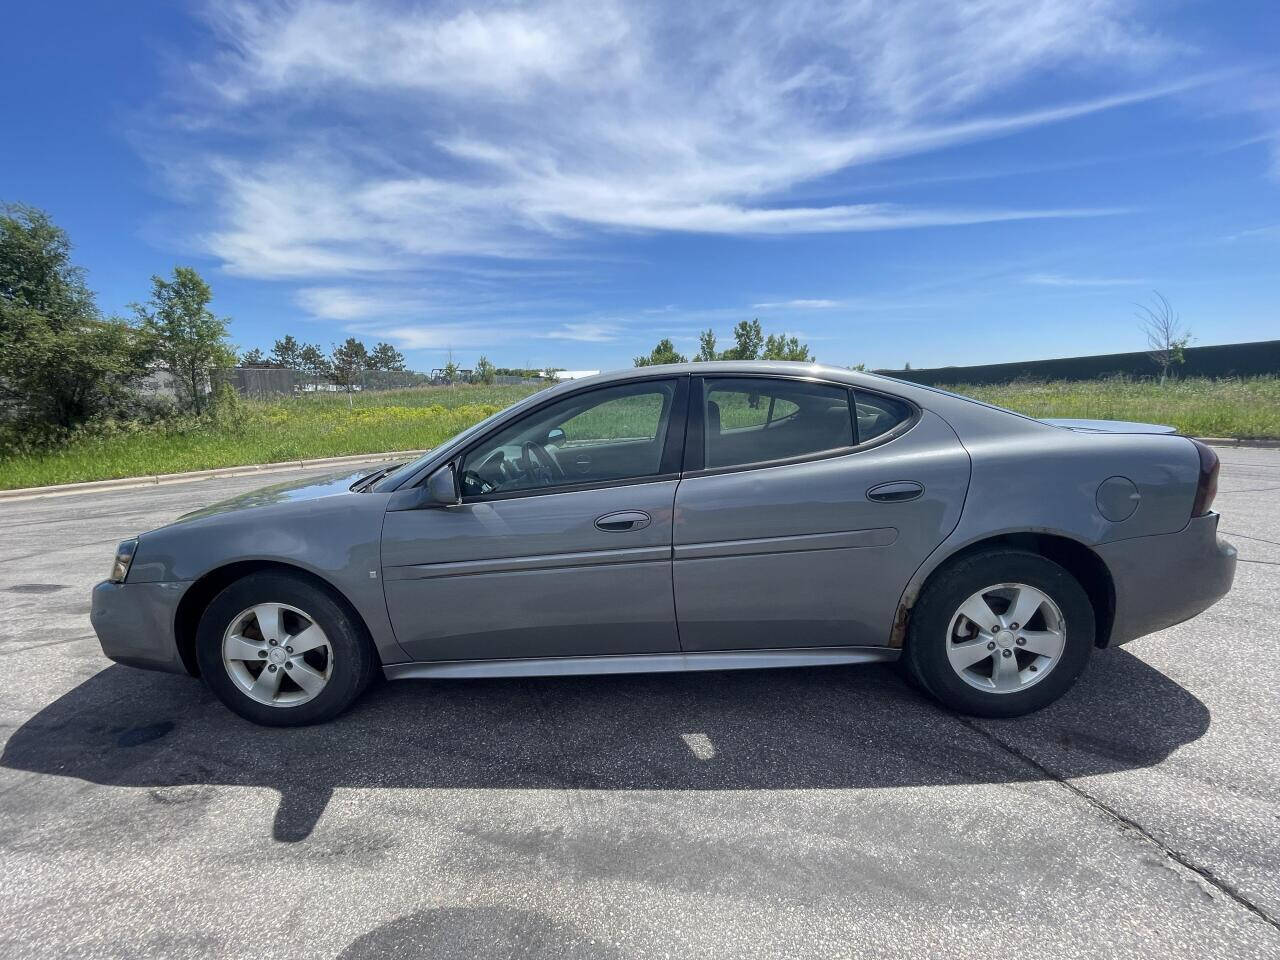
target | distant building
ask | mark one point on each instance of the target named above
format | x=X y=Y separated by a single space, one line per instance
x=574 y=374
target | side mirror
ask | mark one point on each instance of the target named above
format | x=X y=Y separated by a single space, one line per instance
x=442 y=488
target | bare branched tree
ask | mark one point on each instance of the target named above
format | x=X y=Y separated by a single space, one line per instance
x=1167 y=338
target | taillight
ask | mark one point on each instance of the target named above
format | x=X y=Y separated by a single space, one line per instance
x=1207 y=488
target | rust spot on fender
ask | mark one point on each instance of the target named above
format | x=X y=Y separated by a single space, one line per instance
x=898 y=635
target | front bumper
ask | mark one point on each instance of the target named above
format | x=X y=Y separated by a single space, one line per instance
x=135 y=623
x=1163 y=580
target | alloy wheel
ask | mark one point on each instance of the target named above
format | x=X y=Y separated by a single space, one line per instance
x=1005 y=638
x=277 y=654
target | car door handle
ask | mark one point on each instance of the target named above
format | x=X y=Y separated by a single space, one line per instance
x=623 y=521
x=896 y=491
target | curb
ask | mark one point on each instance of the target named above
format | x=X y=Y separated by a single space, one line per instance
x=1236 y=442
x=218 y=473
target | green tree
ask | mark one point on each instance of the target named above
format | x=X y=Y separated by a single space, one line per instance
x=347 y=361
x=664 y=352
x=314 y=363
x=748 y=338
x=781 y=347
x=60 y=362
x=450 y=372
x=485 y=370
x=287 y=353
x=386 y=357
x=253 y=358
x=190 y=342
x=707 y=346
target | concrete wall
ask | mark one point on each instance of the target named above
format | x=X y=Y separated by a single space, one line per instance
x=1223 y=360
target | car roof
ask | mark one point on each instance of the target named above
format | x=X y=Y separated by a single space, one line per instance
x=782 y=368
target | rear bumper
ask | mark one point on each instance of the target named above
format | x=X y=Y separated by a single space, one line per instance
x=1163 y=580
x=135 y=623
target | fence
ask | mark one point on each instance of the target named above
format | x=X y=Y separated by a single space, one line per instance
x=1261 y=358
x=263 y=382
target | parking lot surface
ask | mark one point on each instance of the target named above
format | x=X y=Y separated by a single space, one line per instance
x=831 y=813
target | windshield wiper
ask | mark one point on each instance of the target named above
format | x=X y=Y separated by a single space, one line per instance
x=364 y=483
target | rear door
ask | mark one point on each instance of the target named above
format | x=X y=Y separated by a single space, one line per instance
x=804 y=510
x=562 y=543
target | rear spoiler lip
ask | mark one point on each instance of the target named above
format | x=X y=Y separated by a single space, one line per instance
x=1109 y=426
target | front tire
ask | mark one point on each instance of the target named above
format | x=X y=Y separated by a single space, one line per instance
x=1000 y=634
x=282 y=651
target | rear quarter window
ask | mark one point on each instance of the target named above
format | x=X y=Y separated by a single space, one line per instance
x=877 y=414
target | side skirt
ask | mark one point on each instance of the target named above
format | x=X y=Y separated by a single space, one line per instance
x=643 y=663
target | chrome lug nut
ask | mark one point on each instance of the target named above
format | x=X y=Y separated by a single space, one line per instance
x=262 y=653
x=288 y=664
x=1008 y=653
x=1022 y=641
x=991 y=644
x=288 y=649
x=272 y=642
x=271 y=667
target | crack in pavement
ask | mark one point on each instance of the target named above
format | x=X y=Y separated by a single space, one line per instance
x=1204 y=873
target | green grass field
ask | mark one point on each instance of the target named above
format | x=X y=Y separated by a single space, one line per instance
x=326 y=425
x=305 y=427
x=1247 y=408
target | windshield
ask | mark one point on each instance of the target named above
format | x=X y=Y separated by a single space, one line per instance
x=398 y=476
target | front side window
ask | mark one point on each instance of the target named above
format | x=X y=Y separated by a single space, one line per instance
x=754 y=420
x=611 y=434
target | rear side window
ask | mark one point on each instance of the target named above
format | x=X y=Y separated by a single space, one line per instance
x=878 y=414
x=754 y=420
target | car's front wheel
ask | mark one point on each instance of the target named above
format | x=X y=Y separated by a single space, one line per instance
x=1000 y=633
x=281 y=651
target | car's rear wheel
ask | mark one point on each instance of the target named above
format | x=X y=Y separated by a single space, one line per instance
x=282 y=651
x=1000 y=633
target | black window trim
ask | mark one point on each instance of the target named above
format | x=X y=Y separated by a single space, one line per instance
x=669 y=466
x=695 y=446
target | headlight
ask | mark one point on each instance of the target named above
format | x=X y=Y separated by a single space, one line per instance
x=124 y=557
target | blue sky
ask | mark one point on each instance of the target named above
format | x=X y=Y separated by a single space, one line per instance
x=564 y=183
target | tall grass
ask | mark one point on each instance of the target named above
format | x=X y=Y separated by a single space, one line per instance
x=305 y=427
x=1198 y=407
x=332 y=424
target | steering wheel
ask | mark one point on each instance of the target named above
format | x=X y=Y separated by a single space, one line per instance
x=539 y=464
x=475 y=483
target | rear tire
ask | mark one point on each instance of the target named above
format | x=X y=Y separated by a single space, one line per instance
x=992 y=665
x=283 y=652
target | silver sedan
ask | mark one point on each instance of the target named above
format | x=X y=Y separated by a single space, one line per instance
x=703 y=516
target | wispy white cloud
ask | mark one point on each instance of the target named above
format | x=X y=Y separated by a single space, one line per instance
x=437 y=336
x=1272 y=230
x=348 y=304
x=800 y=304
x=1063 y=280
x=586 y=332
x=383 y=137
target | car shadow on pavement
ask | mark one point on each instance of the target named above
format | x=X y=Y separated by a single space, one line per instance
x=474 y=932
x=847 y=728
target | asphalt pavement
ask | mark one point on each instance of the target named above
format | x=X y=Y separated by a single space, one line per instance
x=800 y=813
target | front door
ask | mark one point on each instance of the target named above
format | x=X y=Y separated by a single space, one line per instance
x=562 y=544
x=813 y=506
